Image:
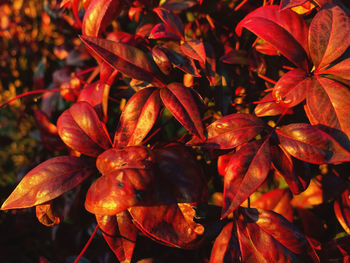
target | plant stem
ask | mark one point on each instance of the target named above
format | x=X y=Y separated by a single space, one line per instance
x=86 y=245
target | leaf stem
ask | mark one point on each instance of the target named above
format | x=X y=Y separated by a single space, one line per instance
x=86 y=245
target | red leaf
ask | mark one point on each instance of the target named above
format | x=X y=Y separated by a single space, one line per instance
x=282 y=241
x=180 y=102
x=269 y=107
x=246 y=171
x=226 y=247
x=127 y=59
x=120 y=234
x=172 y=225
x=294 y=172
x=92 y=93
x=231 y=131
x=233 y=56
x=173 y=22
x=223 y=162
x=340 y=70
x=116 y=191
x=278 y=201
x=186 y=64
x=342 y=210
x=98 y=16
x=138 y=117
x=80 y=128
x=162 y=30
x=313 y=144
x=161 y=60
x=290 y=89
x=328 y=103
x=329 y=35
x=194 y=49
x=284 y=30
x=47 y=181
x=131 y=157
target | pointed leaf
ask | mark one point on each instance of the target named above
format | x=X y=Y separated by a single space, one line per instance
x=294 y=172
x=129 y=60
x=313 y=144
x=80 y=128
x=290 y=89
x=172 y=225
x=48 y=180
x=194 y=49
x=231 y=131
x=138 y=117
x=282 y=241
x=180 y=102
x=269 y=107
x=98 y=16
x=226 y=247
x=186 y=64
x=340 y=70
x=171 y=20
x=328 y=103
x=162 y=30
x=329 y=35
x=342 y=210
x=246 y=171
x=284 y=30
x=120 y=234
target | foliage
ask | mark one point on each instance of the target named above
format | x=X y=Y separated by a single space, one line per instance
x=164 y=120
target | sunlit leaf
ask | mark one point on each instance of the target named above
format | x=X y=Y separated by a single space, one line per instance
x=120 y=234
x=194 y=49
x=48 y=180
x=313 y=144
x=246 y=171
x=98 y=15
x=80 y=128
x=181 y=103
x=342 y=210
x=138 y=117
x=327 y=100
x=171 y=20
x=284 y=30
x=47 y=215
x=329 y=35
x=231 y=131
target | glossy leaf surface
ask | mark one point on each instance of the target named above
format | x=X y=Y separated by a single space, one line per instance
x=98 y=15
x=284 y=30
x=129 y=60
x=269 y=107
x=47 y=215
x=116 y=191
x=81 y=129
x=313 y=144
x=231 y=131
x=134 y=157
x=181 y=103
x=47 y=181
x=138 y=117
x=172 y=225
x=290 y=88
x=120 y=234
x=342 y=210
x=329 y=35
x=194 y=49
x=171 y=20
x=282 y=240
x=246 y=171
x=327 y=101
x=162 y=30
